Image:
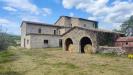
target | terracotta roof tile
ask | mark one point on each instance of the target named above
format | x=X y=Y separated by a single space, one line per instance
x=125 y=39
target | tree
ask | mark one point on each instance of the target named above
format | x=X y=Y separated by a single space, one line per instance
x=127 y=27
x=3 y=40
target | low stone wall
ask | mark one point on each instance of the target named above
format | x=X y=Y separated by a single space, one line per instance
x=129 y=50
x=117 y=50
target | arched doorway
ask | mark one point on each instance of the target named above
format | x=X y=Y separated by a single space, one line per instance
x=67 y=43
x=83 y=42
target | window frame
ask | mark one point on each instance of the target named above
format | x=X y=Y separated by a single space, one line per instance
x=45 y=41
x=84 y=25
x=39 y=30
x=55 y=32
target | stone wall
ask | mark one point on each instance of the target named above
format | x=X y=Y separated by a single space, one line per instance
x=98 y=38
x=76 y=35
x=116 y=50
x=23 y=34
x=129 y=50
x=61 y=21
x=86 y=24
x=25 y=40
x=37 y=41
x=28 y=40
x=71 y=22
x=44 y=29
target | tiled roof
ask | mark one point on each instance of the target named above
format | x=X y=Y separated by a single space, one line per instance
x=76 y=18
x=42 y=34
x=42 y=24
x=125 y=39
x=92 y=29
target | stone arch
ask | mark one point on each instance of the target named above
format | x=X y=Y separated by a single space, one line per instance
x=68 y=41
x=84 y=41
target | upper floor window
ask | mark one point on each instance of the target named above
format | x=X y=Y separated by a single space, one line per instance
x=39 y=30
x=54 y=32
x=70 y=25
x=59 y=32
x=84 y=25
x=94 y=25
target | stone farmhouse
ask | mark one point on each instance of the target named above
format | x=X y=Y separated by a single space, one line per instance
x=66 y=31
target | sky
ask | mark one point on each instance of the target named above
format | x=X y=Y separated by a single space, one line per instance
x=109 y=13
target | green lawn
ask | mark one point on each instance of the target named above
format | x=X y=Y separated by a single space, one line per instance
x=54 y=61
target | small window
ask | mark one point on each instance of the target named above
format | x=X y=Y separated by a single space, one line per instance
x=59 y=32
x=94 y=25
x=39 y=30
x=70 y=25
x=126 y=43
x=45 y=41
x=54 y=32
x=84 y=25
x=27 y=41
x=60 y=42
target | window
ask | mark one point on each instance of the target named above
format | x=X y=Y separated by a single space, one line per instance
x=54 y=32
x=59 y=32
x=60 y=42
x=39 y=30
x=27 y=41
x=70 y=25
x=24 y=42
x=84 y=25
x=94 y=25
x=126 y=43
x=45 y=41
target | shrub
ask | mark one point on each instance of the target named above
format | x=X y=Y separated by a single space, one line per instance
x=4 y=43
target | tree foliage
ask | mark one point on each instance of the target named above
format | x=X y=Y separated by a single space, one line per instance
x=127 y=27
x=3 y=40
x=7 y=40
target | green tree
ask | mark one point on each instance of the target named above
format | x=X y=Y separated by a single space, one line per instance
x=3 y=40
x=127 y=27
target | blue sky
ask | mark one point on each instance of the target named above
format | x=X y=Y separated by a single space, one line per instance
x=109 y=13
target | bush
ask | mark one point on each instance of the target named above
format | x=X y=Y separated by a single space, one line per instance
x=3 y=41
x=7 y=40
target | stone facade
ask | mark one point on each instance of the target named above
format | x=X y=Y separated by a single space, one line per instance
x=66 y=31
x=36 y=35
x=37 y=41
x=76 y=34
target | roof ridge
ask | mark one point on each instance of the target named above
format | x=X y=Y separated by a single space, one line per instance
x=92 y=29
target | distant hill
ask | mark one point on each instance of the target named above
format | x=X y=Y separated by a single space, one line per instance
x=12 y=39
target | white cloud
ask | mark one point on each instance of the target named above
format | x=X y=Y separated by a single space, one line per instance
x=46 y=11
x=31 y=18
x=92 y=18
x=71 y=14
x=4 y=21
x=26 y=6
x=9 y=9
x=107 y=12
x=69 y=3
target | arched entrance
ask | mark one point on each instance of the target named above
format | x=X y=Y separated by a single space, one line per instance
x=67 y=43
x=83 y=42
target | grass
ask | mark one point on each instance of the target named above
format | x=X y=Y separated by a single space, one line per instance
x=66 y=65
x=54 y=61
x=6 y=56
